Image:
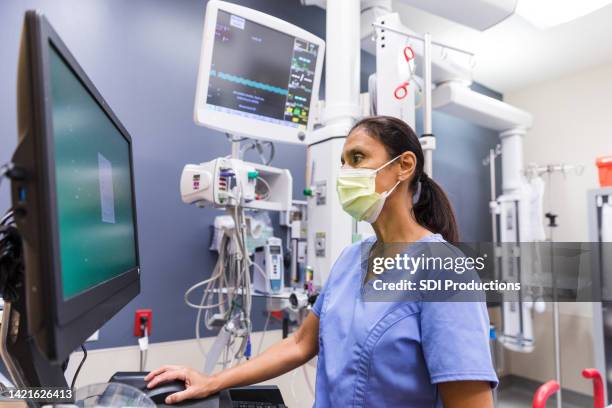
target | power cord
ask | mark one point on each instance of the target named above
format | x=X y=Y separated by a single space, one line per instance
x=78 y=370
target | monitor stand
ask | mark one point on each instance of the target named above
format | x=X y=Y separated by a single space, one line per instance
x=26 y=365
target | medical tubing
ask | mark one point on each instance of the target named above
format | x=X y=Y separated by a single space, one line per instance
x=243 y=277
x=263 y=334
x=231 y=275
x=199 y=324
x=261 y=271
x=215 y=284
x=265 y=183
x=196 y=286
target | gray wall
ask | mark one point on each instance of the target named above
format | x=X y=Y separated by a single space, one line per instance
x=143 y=57
x=460 y=148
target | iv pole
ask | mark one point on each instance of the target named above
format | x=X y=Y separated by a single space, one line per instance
x=556 y=332
x=537 y=171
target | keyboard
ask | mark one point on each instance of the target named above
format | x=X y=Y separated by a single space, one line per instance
x=261 y=396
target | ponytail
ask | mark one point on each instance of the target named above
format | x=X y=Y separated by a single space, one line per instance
x=432 y=210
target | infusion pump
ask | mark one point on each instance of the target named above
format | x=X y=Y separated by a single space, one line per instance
x=227 y=182
x=269 y=274
x=220 y=182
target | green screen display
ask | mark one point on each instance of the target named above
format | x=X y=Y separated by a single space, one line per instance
x=93 y=186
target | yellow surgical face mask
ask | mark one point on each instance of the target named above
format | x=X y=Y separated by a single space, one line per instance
x=356 y=189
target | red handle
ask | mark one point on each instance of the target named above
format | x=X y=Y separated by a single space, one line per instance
x=543 y=392
x=598 y=388
x=401 y=91
x=408 y=53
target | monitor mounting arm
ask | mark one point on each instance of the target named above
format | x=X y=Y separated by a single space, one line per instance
x=25 y=363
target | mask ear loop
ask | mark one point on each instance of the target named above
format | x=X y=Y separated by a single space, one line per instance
x=388 y=192
x=387 y=163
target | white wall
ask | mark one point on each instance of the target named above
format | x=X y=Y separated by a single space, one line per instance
x=572 y=124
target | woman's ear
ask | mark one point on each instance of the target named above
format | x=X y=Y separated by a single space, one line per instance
x=407 y=163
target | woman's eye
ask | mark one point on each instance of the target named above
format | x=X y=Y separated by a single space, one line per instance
x=357 y=158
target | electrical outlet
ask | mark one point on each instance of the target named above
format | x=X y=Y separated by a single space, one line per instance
x=146 y=314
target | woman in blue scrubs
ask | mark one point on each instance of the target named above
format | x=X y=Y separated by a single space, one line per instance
x=377 y=354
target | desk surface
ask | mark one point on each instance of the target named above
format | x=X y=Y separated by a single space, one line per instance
x=14 y=404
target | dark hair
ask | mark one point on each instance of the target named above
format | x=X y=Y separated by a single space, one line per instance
x=433 y=210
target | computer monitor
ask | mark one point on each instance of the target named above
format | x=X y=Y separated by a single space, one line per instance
x=259 y=76
x=75 y=207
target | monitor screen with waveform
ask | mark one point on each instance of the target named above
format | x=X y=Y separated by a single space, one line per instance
x=261 y=73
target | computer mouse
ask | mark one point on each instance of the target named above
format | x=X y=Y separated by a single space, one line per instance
x=159 y=393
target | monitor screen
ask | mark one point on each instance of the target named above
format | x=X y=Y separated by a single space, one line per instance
x=93 y=186
x=261 y=73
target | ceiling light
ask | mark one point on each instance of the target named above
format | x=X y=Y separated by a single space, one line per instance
x=549 y=13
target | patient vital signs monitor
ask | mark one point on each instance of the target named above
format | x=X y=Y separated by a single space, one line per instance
x=259 y=76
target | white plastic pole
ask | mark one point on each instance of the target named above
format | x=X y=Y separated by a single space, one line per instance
x=512 y=159
x=342 y=74
x=427 y=128
x=493 y=201
x=342 y=65
x=427 y=84
x=557 y=337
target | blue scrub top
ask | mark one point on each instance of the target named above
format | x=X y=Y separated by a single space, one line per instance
x=392 y=354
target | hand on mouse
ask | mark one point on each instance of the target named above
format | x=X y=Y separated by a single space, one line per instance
x=197 y=385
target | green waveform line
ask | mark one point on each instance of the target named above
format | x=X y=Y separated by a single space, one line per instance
x=249 y=82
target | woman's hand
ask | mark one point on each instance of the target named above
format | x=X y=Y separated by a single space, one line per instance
x=197 y=385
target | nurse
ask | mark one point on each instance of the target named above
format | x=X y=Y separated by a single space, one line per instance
x=377 y=354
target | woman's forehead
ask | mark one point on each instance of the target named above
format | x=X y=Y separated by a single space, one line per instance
x=361 y=139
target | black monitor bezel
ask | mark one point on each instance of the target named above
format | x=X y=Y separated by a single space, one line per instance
x=76 y=318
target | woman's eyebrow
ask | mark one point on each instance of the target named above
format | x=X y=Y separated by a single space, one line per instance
x=351 y=152
x=355 y=150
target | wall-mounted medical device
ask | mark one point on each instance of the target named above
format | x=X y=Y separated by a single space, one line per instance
x=259 y=76
x=268 y=276
x=225 y=182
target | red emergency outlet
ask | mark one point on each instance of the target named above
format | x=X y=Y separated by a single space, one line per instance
x=147 y=315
